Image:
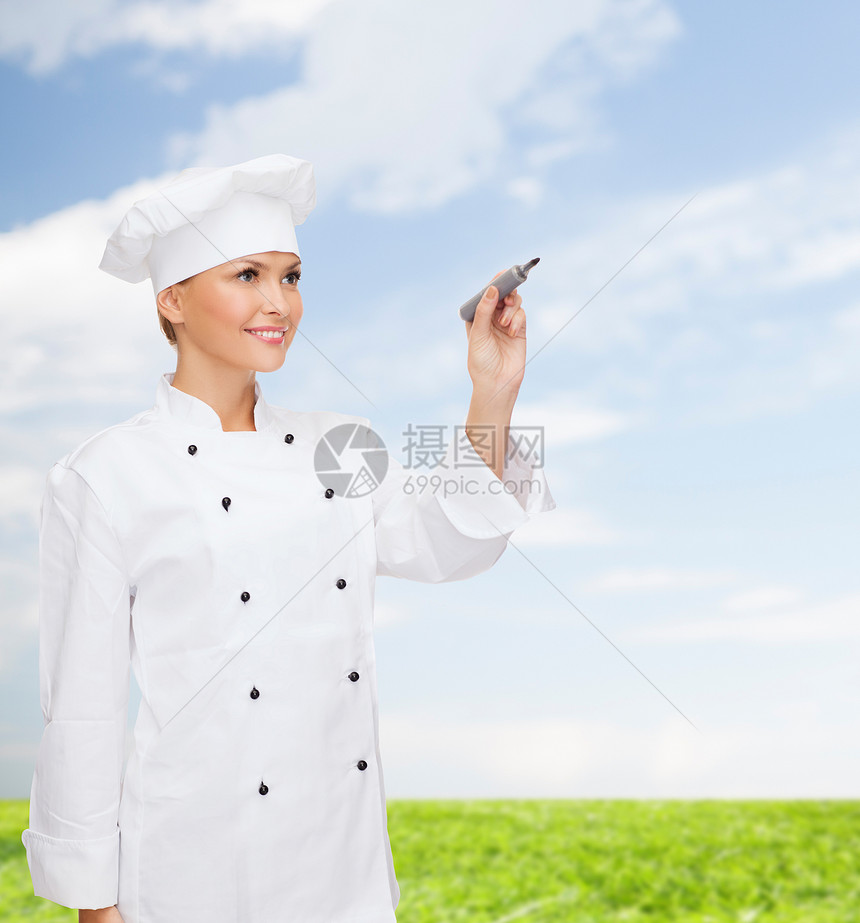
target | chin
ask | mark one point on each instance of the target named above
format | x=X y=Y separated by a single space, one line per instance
x=272 y=365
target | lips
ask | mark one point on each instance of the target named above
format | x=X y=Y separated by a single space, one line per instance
x=268 y=334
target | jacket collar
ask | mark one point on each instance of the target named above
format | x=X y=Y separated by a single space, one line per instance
x=178 y=407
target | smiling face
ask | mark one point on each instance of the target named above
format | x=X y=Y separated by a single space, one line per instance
x=242 y=313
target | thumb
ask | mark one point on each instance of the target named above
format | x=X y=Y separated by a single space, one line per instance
x=482 y=321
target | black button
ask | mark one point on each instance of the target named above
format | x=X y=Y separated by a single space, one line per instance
x=263 y=788
x=341 y=583
x=192 y=449
x=245 y=596
x=226 y=503
x=353 y=676
x=361 y=764
x=329 y=493
x=255 y=693
x=288 y=437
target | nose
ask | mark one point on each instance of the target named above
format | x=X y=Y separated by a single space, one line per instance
x=276 y=302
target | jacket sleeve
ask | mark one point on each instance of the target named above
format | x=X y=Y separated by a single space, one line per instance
x=72 y=842
x=453 y=521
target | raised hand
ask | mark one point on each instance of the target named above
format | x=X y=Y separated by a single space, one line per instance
x=497 y=343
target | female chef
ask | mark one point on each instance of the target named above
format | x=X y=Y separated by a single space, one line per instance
x=218 y=547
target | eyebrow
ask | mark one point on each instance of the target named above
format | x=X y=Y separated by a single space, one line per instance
x=264 y=267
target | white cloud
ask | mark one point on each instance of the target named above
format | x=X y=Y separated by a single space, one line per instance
x=19 y=608
x=48 y=34
x=177 y=80
x=567 y=418
x=386 y=613
x=527 y=189
x=790 y=226
x=73 y=333
x=399 y=111
x=70 y=331
x=539 y=155
x=831 y=620
x=765 y=597
x=847 y=320
x=736 y=241
x=732 y=312
x=20 y=494
x=647 y=579
x=562 y=526
x=440 y=755
x=45 y=33
x=396 y=109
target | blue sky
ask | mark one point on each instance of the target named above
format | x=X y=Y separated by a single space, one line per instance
x=700 y=413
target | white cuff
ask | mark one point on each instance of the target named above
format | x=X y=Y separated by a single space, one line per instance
x=81 y=874
x=479 y=504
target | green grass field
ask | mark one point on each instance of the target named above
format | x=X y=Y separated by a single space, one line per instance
x=565 y=861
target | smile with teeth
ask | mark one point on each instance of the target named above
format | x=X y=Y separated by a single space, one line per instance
x=273 y=336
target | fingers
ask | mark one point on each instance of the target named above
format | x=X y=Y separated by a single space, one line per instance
x=511 y=305
x=518 y=324
x=504 y=312
x=513 y=320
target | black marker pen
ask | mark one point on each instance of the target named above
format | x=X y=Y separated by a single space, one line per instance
x=505 y=283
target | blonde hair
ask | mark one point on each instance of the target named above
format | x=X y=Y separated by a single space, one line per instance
x=167 y=329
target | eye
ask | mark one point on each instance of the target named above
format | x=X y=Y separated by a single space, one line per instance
x=254 y=272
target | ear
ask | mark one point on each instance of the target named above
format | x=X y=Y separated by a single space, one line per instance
x=169 y=304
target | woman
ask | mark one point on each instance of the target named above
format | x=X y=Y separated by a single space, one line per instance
x=220 y=548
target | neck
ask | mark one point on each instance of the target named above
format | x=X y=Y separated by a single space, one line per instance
x=228 y=390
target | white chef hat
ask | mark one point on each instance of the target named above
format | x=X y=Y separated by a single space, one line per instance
x=210 y=215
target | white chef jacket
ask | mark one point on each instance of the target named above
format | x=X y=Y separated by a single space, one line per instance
x=254 y=790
